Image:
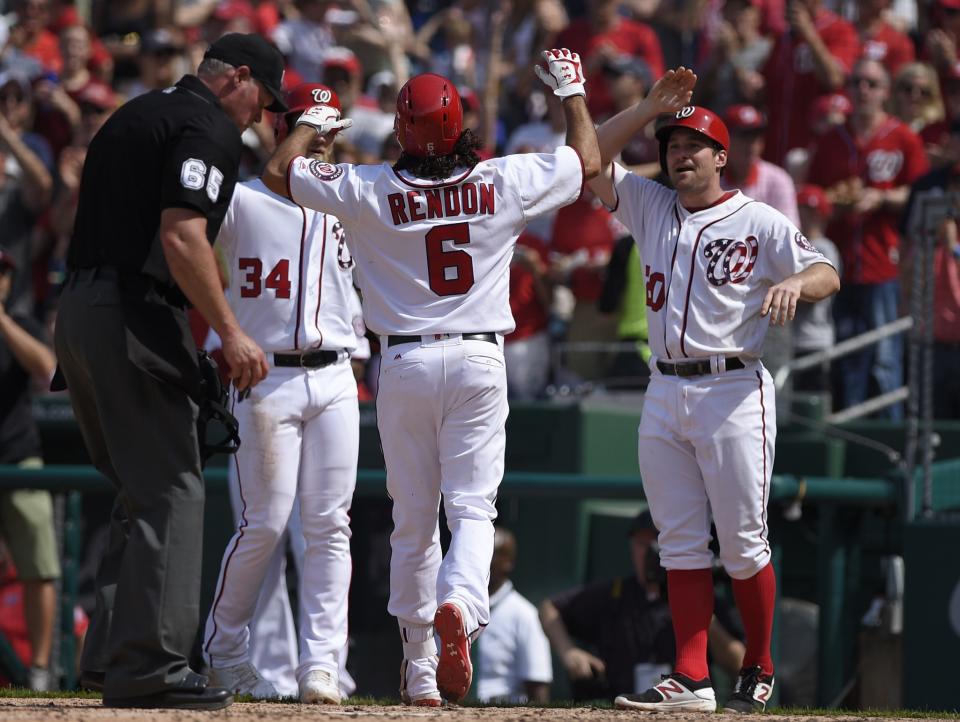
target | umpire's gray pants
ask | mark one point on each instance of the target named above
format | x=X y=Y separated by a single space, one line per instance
x=141 y=434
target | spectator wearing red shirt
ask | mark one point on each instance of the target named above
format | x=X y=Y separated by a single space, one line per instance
x=879 y=39
x=29 y=34
x=936 y=135
x=867 y=167
x=812 y=58
x=602 y=35
x=946 y=271
x=941 y=40
x=527 y=350
x=583 y=239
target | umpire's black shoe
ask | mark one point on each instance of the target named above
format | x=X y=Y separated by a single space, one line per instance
x=752 y=692
x=92 y=681
x=191 y=693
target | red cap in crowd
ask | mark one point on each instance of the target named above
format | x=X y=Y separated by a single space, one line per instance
x=343 y=58
x=97 y=95
x=952 y=4
x=833 y=103
x=744 y=118
x=228 y=10
x=812 y=196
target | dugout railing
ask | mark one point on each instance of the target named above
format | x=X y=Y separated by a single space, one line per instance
x=837 y=543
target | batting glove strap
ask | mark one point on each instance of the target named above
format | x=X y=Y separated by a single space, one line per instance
x=563 y=72
x=323 y=119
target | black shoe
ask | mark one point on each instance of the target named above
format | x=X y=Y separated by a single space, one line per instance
x=92 y=681
x=752 y=692
x=191 y=693
x=675 y=693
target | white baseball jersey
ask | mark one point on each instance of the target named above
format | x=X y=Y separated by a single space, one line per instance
x=453 y=238
x=289 y=291
x=707 y=272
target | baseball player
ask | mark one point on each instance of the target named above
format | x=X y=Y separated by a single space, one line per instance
x=433 y=237
x=290 y=282
x=719 y=267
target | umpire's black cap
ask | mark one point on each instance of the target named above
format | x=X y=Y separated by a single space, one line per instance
x=264 y=61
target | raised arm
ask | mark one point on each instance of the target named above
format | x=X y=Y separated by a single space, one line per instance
x=670 y=93
x=319 y=119
x=564 y=75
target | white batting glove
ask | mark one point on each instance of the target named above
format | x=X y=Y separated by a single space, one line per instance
x=323 y=119
x=564 y=72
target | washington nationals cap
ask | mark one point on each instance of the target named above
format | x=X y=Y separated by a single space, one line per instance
x=264 y=61
x=812 y=196
x=744 y=119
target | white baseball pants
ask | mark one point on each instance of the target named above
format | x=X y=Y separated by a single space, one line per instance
x=706 y=447
x=300 y=431
x=441 y=411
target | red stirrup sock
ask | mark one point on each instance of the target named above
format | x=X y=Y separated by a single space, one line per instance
x=755 y=600
x=691 y=607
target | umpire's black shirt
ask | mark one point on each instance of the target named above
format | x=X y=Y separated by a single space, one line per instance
x=172 y=148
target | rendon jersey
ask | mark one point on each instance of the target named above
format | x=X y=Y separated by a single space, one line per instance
x=434 y=256
x=707 y=272
x=290 y=272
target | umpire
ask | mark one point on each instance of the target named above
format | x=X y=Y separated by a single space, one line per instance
x=156 y=184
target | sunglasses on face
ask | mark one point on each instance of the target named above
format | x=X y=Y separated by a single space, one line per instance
x=921 y=91
x=872 y=83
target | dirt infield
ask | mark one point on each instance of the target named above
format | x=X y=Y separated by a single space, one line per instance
x=88 y=710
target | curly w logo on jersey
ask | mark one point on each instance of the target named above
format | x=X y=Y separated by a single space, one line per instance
x=731 y=260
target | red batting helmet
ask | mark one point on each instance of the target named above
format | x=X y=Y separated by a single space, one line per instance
x=429 y=116
x=301 y=97
x=696 y=118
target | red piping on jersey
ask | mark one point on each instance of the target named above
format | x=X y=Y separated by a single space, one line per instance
x=613 y=183
x=226 y=565
x=289 y=166
x=763 y=426
x=323 y=255
x=693 y=263
x=434 y=184
x=673 y=262
x=303 y=238
x=583 y=172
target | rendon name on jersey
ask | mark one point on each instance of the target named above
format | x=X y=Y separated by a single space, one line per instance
x=434 y=256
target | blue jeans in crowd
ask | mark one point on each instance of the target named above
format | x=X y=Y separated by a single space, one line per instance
x=860 y=308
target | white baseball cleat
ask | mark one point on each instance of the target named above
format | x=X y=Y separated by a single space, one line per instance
x=319 y=686
x=675 y=693
x=243 y=678
x=418 y=682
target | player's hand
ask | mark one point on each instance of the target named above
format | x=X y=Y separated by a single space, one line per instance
x=563 y=73
x=245 y=359
x=780 y=302
x=580 y=664
x=671 y=92
x=324 y=119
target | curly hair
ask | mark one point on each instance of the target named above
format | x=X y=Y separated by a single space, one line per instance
x=439 y=167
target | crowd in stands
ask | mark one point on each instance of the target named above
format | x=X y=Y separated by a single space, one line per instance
x=834 y=106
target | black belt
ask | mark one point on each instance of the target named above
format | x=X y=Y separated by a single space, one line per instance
x=696 y=368
x=307 y=360
x=431 y=337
